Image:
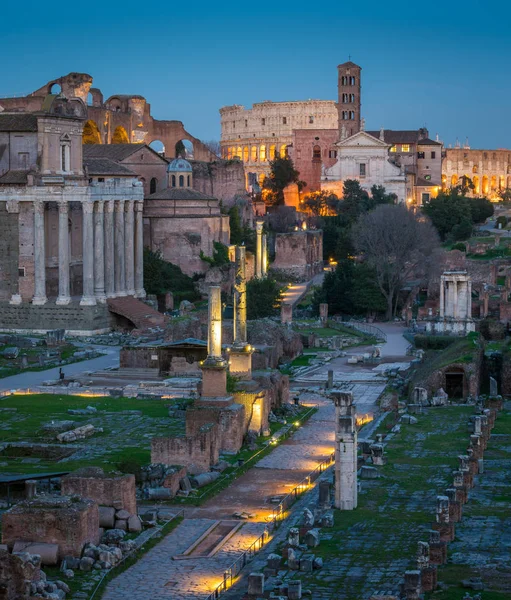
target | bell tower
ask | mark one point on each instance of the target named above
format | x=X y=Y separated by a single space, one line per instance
x=349 y=84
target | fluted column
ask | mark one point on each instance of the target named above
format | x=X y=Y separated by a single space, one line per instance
x=88 y=298
x=39 y=255
x=99 y=252
x=259 y=249
x=442 y=300
x=139 y=250
x=240 y=299
x=64 y=296
x=129 y=241
x=120 y=273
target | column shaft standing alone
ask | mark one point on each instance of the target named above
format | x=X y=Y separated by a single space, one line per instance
x=64 y=296
x=120 y=273
x=139 y=250
x=88 y=298
x=39 y=255
x=129 y=240
x=240 y=299
x=259 y=249
x=264 y=265
x=346 y=495
x=99 y=252
x=442 y=297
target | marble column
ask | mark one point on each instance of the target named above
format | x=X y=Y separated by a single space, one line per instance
x=346 y=495
x=88 y=298
x=99 y=252
x=139 y=250
x=109 y=249
x=64 y=296
x=120 y=273
x=469 y=299
x=259 y=249
x=13 y=207
x=442 y=297
x=264 y=265
x=215 y=323
x=39 y=255
x=240 y=298
x=129 y=251
x=455 y=298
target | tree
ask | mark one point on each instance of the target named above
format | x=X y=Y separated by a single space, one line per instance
x=180 y=150
x=220 y=255
x=396 y=243
x=263 y=298
x=321 y=204
x=213 y=146
x=161 y=276
x=454 y=214
x=235 y=226
x=380 y=196
x=282 y=173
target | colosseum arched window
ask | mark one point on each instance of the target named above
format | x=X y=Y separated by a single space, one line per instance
x=262 y=153
x=253 y=153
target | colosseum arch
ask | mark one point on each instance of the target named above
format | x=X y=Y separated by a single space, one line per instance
x=454 y=180
x=485 y=188
x=158 y=146
x=120 y=136
x=475 y=181
x=184 y=149
x=91 y=134
x=54 y=88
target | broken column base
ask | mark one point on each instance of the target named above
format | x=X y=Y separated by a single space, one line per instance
x=446 y=531
x=240 y=363
x=228 y=416
x=429 y=579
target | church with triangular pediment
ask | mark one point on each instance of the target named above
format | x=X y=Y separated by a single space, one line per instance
x=364 y=157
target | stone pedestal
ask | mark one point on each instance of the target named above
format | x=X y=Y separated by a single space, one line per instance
x=240 y=363
x=286 y=314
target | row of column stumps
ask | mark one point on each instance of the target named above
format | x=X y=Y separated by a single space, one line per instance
x=112 y=256
x=449 y=508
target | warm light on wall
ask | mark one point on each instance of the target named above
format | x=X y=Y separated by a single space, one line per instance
x=363 y=419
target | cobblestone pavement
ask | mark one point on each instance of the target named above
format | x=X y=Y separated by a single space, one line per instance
x=157 y=576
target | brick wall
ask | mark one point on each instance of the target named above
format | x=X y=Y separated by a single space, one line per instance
x=70 y=523
x=118 y=492
x=8 y=252
x=230 y=421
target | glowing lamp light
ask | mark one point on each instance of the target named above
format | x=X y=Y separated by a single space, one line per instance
x=297 y=424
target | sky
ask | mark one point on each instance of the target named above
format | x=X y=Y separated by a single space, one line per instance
x=443 y=65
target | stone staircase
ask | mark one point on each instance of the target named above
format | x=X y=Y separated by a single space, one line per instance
x=141 y=315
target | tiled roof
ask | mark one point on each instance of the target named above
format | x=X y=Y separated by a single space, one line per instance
x=112 y=151
x=177 y=193
x=104 y=166
x=398 y=137
x=428 y=142
x=18 y=122
x=14 y=178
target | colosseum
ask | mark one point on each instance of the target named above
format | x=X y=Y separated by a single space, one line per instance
x=256 y=134
x=489 y=170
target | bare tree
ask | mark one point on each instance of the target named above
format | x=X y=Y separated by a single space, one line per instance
x=398 y=244
x=213 y=146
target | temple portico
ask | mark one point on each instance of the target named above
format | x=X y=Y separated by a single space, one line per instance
x=105 y=250
x=455 y=305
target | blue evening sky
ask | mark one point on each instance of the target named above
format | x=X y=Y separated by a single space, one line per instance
x=444 y=65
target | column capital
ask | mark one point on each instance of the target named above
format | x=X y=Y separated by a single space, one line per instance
x=13 y=206
x=88 y=207
x=99 y=207
x=39 y=206
x=129 y=205
x=139 y=205
x=109 y=206
x=119 y=206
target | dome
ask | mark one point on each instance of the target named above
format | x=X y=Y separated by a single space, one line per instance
x=179 y=165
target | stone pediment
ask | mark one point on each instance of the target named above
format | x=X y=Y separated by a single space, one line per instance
x=362 y=139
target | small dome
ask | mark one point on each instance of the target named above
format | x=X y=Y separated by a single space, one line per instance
x=179 y=165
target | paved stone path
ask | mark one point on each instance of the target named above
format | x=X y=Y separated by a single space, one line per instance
x=31 y=379
x=157 y=576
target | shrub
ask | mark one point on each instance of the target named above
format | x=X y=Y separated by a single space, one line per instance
x=434 y=342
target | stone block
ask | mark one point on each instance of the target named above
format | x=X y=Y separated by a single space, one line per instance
x=134 y=524
x=106 y=517
x=306 y=563
x=256 y=584
x=69 y=522
x=312 y=538
x=294 y=589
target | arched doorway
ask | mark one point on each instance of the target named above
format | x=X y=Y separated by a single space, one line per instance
x=120 y=136
x=485 y=184
x=184 y=149
x=475 y=181
x=91 y=134
x=90 y=99
x=158 y=146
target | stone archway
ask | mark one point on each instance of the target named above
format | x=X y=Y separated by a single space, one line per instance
x=120 y=136
x=91 y=134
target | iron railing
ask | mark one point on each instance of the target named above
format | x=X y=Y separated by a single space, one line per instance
x=279 y=514
x=368 y=329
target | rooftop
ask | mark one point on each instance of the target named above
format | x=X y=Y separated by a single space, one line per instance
x=105 y=166
x=177 y=193
x=18 y=122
